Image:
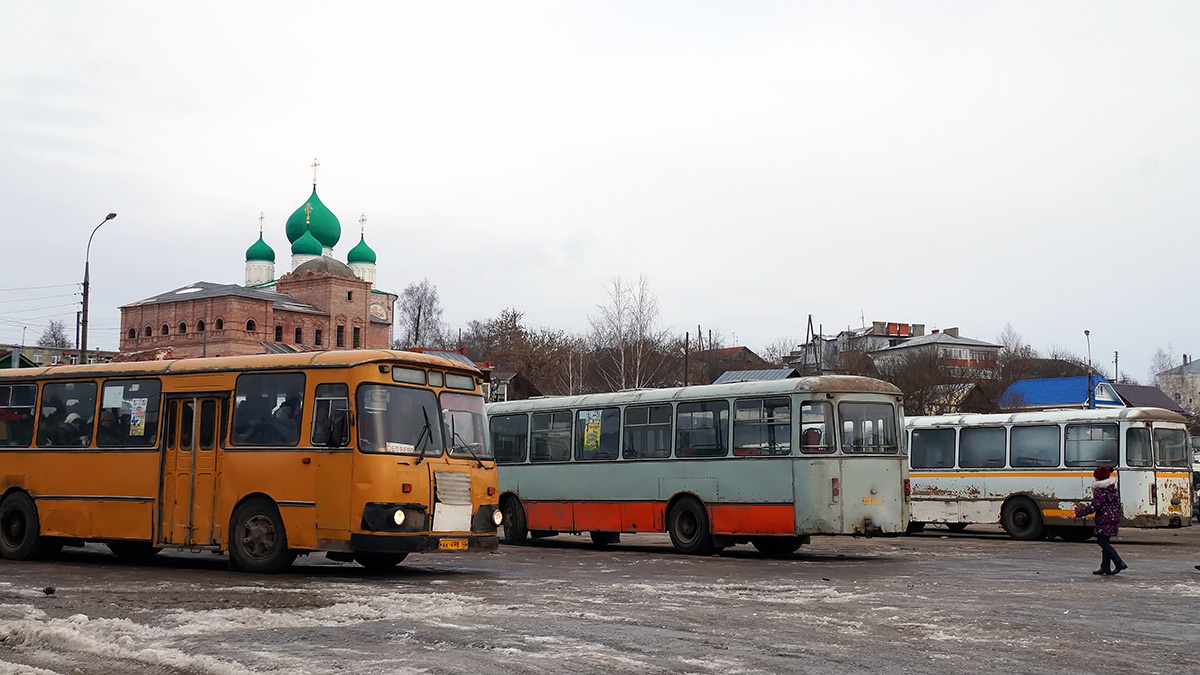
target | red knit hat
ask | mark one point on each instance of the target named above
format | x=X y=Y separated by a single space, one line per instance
x=1102 y=473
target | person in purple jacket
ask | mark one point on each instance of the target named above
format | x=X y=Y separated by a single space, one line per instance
x=1106 y=504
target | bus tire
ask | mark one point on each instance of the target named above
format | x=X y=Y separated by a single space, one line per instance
x=777 y=546
x=257 y=539
x=605 y=539
x=687 y=523
x=132 y=551
x=20 y=529
x=513 y=522
x=379 y=562
x=1022 y=519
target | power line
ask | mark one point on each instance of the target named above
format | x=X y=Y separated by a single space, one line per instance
x=44 y=297
x=36 y=288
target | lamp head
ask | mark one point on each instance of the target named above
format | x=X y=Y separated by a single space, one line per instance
x=110 y=216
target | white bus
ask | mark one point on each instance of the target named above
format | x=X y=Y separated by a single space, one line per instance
x=768 y=462
x=1028 y=471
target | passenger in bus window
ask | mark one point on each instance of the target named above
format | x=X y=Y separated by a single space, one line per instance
x=71 y=432
x=107 y=433
x=1106 y=504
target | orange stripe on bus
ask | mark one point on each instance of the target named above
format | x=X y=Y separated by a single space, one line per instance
x=752 y=519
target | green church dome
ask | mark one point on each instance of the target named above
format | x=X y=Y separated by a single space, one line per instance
x=321 y=222
x=260 y=251
x=361 y=253
x=307 y=244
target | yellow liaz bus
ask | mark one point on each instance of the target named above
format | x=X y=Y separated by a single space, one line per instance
x=1028 y=471
x=770 y=463
x=366 y=455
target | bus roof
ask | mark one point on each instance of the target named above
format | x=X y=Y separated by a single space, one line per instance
x=341 y=358
x=833 y=384
x=1043 y=417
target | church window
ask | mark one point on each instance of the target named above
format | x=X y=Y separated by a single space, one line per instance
x=357 y=337
x=149 y=331
x=250 y=325
x=182 y=327
x=132 y=333
x=220 y=324
x=279 y=333
x=349 y=295
x=164 y=330
x=341 y=336
x=200 y=326
x=299 y=333
x=317 y=337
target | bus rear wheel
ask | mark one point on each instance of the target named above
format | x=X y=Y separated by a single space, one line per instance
x=777 y=546
x=20 y=537
x=1022 y=519
x=379 y=562
x=513 y=522
x=687 y=523
x=257 y=540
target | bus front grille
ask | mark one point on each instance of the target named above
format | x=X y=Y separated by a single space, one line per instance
x=452 y=488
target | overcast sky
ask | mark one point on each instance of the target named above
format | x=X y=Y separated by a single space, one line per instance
x=946 y=163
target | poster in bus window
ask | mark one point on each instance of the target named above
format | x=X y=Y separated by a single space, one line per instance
x=137 y=416
x=591 y=430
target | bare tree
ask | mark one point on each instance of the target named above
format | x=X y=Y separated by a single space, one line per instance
x=778 y=351
x=1162 y=361
x=929 y=384
x=55 y=335
x=419 y=317
x=629 y=347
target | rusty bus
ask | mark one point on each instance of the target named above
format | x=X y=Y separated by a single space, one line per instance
x=769 y=463
x=1028 y=471
x=366 y=455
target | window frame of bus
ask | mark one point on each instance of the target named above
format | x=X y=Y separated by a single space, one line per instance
x=42 y=404
x=1021 y=430
x=7 y=408
x=150 y=416
x=437 y=441
x=551 y=433
x=764 y=425
x=722 y=423
x=993 y=461
x=827 y=432
x=1184 y=460
x=1080 y=443
x=919 y=451
x=581 y=424
x=500 y=430
x=322 y=396
x=648 y=428
x=1146 y=460
x=297 y=415
x=890 y=424
x=453 y=404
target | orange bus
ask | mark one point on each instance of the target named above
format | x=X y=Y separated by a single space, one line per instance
x=365 y=455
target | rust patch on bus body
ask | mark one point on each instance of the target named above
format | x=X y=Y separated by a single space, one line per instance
x=971 y=492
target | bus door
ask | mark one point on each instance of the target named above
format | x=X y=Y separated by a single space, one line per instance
x=1136 y=477
x=189 y=471
x=1172 y=475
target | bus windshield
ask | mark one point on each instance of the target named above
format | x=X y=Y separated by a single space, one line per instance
x=466 y=426
x=400 y=420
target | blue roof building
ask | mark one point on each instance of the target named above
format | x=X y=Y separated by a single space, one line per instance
x=1061 y=392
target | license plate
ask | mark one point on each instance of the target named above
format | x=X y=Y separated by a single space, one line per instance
x=453 y=544
x=872 y=501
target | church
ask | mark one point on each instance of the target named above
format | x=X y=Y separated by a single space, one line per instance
x=322 y=303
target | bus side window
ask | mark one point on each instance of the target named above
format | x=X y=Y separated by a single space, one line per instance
x=1137 y=447
x=932 y=449
x=331 y=407
x=16 y=414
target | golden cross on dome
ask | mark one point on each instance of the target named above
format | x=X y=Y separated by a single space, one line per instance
x=362 y=225
x=307 y=214
x=260 y=221
x=315 y=164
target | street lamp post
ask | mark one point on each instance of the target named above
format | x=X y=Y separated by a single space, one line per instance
x=86 y=280
x=1087 y=334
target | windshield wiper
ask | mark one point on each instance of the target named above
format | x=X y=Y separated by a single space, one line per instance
x=454 y=435
x=424 y=430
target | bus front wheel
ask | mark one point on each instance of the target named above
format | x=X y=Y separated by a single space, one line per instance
x=20 y=537
x=1022 y=519
x=687 y=524
x=257 y=540
x=513 y=522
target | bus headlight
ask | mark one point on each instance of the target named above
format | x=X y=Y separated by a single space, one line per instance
x=497 y=516
x=398 y=517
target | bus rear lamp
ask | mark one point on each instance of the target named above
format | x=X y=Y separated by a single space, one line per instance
x=406 y=488
x=837 y=488
x=907 y=489
x=398 y=517
x=497 y=517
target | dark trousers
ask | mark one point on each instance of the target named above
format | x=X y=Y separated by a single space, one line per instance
x=1111 y=560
